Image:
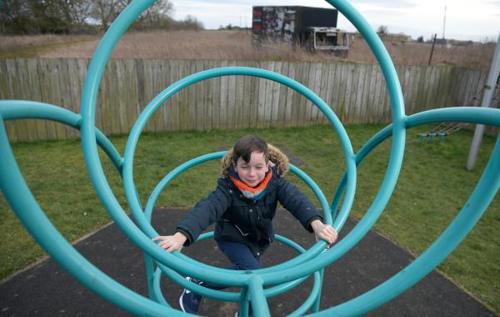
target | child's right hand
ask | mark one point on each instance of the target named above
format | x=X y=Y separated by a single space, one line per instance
x=324 y=232
x=171 y=243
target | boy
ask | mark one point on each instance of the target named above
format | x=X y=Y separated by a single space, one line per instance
x=243 y=206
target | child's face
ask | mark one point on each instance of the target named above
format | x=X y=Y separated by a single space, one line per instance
x=253 y=172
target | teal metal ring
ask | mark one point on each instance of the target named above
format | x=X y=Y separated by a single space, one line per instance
x=149 y=110
x=34 y=219
x=90 y=147
x=484 y=192
x=88 y=114
x=311 y=253
x=235 y=296
x=26 y=109
x=131 y=192
x=221 y=295
x=165 y=95
x=103 y=189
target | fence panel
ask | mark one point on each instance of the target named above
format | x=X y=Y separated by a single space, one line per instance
x=356 y=93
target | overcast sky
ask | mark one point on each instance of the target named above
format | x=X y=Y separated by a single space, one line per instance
x=475 y=20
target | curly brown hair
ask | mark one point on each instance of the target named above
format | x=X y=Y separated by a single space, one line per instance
x=248 y=144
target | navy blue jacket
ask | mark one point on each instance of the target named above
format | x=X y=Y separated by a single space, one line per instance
x=239 y=219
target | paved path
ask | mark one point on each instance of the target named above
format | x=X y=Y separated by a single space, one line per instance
x=47 y=290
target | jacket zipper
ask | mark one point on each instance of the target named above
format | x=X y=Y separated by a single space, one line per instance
x=241 y=231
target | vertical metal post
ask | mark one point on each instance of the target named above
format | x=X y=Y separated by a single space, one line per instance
x=149 y=264
x=444 y=23
x=244 y=303
x=489 y=89
x=260 y=307
x=317 y=302
x=432 y=48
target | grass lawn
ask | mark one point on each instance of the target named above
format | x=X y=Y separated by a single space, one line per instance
x=432 y=188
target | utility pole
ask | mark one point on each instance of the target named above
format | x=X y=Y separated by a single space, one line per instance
x=444 y=22
x=489 y=89
x=432 y=48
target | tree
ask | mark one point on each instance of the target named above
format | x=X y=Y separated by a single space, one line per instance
x=157 y=16
x=105 y=11
x=65 y=16
x=79 y=11
x=383 y=30
x=42 y=16
x=14 y=15
x=35 y=16
x=51 y=16
x=190 y=23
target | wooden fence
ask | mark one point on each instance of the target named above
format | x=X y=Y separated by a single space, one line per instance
x=356 y=92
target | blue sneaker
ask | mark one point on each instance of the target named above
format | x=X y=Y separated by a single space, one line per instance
x=189 y=301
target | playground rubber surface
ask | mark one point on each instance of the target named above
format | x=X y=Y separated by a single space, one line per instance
x=47 y=290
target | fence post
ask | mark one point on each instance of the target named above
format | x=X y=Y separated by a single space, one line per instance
x=489 y=89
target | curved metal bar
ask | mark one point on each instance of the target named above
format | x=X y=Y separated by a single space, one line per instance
x=259 y=303
x=314 y=251
x=235 y=296
x=462 y=224
x=165 y=181
x=396 y=98
x=156 y=291
x=100 y=183
x=130 y=189
x=487 y=116
x=225 y=295
x=26 y=109
x=381 y=54
x=94 y=166
x=24 y=204
x=311 y=300
x=465 y=114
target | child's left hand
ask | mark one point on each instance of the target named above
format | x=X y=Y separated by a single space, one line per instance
x=324 y=232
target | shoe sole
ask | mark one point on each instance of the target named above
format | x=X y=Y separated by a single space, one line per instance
x=188 y=278
x=180 y=301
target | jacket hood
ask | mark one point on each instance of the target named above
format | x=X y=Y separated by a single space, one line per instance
x=278 y=158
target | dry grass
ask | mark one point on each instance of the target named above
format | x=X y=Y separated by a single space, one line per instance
x=474 y=55
x=230 y=45
x=236 y=45
x=26 y=41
